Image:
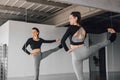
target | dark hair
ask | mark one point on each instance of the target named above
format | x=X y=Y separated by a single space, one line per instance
x=78 y=15
x=36 y=30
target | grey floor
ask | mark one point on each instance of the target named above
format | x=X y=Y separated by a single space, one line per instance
x=70 y=76
x=112 y=76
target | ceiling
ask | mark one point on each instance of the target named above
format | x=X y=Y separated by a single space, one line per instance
x=29 y=10
x=38 y=11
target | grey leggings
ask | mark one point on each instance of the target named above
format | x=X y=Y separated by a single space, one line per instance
x=40 y=57
x=82 y=53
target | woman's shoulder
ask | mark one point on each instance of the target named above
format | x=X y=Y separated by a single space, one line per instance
x=29 y=39
x=41 y=39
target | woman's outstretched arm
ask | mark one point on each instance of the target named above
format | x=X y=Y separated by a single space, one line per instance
x=51 y=41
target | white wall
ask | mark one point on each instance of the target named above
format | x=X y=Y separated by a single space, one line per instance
x=22 y=65
x=4 y=33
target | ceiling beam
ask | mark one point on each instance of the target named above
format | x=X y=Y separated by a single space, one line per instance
x=23 y=11
x=109 y=5
x=61 y=17
x=50 y=3
x=6 y=16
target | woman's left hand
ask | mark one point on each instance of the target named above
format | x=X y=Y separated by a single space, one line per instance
x=70 y=50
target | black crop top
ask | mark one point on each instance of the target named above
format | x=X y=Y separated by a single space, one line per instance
x=69 y=33
x=35 y=44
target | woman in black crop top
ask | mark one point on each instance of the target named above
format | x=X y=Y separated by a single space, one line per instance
x=76 y=33
x=35 y=43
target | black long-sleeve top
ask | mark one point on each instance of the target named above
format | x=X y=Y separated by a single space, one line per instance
x=69 y=34
x=35 y=44
x=72 y=29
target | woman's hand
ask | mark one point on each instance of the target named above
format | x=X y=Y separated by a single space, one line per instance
x=58 y=40
x=70 y=50
x=73 y=47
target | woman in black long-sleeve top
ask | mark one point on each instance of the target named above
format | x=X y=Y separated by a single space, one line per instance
x=35 y=43
x=79 y=51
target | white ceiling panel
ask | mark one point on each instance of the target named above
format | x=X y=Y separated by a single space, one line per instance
x=11 y=2
x=37 y=10
x=2 y=2
x=39 y=5
x=19 y=3
x=34 y=6
x=26 y=5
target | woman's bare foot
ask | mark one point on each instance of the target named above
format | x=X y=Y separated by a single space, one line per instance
x=113 y=36
x=111 y=30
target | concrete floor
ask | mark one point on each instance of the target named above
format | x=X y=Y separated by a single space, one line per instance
x=71 y=76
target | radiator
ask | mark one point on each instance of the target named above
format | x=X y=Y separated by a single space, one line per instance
x=3 y=62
